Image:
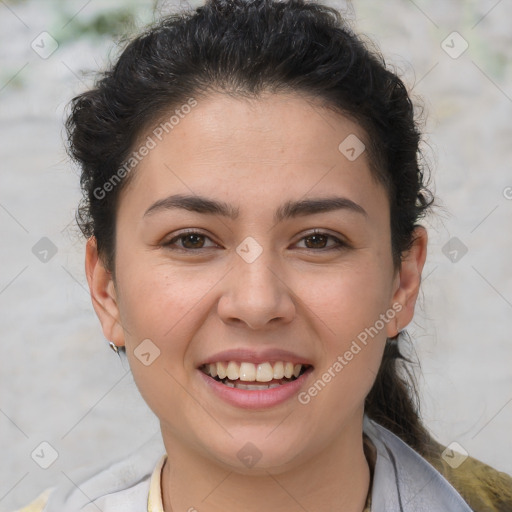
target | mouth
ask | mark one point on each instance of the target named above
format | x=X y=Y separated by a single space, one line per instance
x=254 y=377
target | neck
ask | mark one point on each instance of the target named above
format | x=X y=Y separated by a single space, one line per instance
x=337 y=478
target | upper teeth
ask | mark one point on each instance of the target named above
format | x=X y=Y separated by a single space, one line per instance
x=262 y=372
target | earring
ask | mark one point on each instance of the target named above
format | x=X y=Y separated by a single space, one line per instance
x=114 y=347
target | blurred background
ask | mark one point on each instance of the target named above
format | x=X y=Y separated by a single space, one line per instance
x=65 y=394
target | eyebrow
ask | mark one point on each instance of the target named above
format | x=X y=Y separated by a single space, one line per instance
x=289 y=209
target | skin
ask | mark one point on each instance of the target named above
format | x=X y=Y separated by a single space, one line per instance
x=297 y=295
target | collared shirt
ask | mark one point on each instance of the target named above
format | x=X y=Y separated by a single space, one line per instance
x=401 y=481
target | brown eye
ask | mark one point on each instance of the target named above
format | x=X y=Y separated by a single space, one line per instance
x=192 y=241
x=188 y=241
x=319 y=240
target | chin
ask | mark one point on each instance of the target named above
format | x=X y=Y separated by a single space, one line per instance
x=257 y=453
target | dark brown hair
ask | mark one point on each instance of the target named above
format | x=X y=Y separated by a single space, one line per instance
x=247 y=47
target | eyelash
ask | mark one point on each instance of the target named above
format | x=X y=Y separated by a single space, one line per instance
x=169 y=245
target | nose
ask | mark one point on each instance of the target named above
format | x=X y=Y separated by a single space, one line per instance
x=256 y=294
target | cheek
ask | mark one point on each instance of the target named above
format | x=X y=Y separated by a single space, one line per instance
x=353 y=310
x=156 y=298
x=348 y=299
x=160 y=310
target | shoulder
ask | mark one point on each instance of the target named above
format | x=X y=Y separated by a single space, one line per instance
x=484 y=488
x=114 y=487
x=403 y=477
x=430 y=478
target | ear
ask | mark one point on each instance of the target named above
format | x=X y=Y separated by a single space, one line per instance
x=408 y=282
x=103 y=294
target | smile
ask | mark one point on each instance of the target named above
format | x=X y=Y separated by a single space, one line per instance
x=254 y=385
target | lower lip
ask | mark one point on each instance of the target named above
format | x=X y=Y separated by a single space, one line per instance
x=256 y=399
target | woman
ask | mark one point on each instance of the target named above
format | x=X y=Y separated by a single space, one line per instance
x=252 y=193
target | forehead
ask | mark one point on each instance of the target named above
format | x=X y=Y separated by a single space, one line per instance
x=269 y=147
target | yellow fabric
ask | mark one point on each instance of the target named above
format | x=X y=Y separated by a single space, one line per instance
x=38 y=504
x=155 y=501
x=484 y=488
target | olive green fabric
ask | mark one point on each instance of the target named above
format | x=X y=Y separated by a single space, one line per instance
x=484 y=488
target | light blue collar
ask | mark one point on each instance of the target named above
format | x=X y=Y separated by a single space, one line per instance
x=404 y=481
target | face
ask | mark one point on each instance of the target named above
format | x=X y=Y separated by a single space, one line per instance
x=276 y=256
